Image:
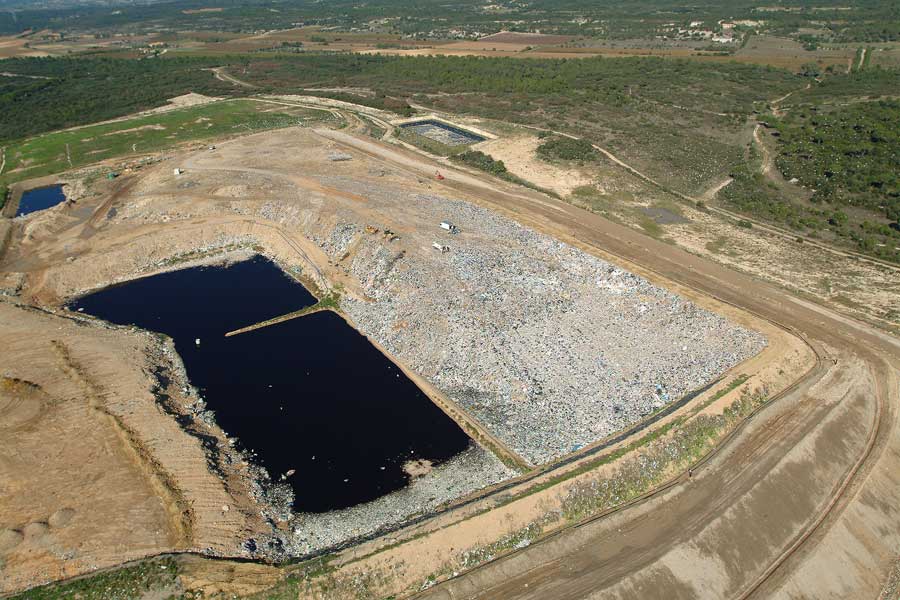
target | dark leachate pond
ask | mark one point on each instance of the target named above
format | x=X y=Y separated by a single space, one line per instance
x=310 y=394
x=39 y=199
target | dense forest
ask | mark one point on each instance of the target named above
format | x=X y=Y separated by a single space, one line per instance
x=54 y=93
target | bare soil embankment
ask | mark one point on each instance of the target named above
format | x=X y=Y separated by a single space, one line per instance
x=94 y=473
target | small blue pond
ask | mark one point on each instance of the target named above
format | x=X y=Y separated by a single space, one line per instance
x=310 y=395
x=40 y=199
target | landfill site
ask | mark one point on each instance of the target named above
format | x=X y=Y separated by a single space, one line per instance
x=547 y=347
x=540 y=347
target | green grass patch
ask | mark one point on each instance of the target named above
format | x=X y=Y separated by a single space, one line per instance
x=59 y=151
x=650 y=227
x=55 y=93
x=330 y=302
x=735 y=384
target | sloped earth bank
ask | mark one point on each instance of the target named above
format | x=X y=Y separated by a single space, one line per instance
x=92 y=470
x=548 y=347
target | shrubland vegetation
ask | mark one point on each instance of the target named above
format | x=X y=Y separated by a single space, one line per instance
x=841 y=145
x=725 y=88
x=484 y=162
x=677 y=120
x=566 y=148
x=481 y=161
x=157 y=578
x=848 y=155
x=682 y=123
x=845 y=158
x=866 y=84
x=621 y=102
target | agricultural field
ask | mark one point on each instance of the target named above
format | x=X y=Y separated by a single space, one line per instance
x=886 y=56
x=11 y=46
x=767 y=50
x=288 y=41
x=789 y=53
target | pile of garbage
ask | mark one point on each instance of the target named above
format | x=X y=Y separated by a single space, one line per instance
x=549 y=347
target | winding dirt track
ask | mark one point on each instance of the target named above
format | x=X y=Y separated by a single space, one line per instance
x=223 y=75
x=807 y=486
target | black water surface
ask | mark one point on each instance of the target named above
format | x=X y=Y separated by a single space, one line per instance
x=310 y=394
x=39 y=199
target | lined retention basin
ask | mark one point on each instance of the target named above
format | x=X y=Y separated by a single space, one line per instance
x=309 y=395
x=443 y=132
x=40 y=199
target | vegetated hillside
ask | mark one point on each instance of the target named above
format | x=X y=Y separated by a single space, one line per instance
x=62 y=92
x=726 y=88
x=680 y=121
x=841 y=160
x=867 y=84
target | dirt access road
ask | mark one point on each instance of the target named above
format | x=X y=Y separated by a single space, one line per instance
x=808 y=486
